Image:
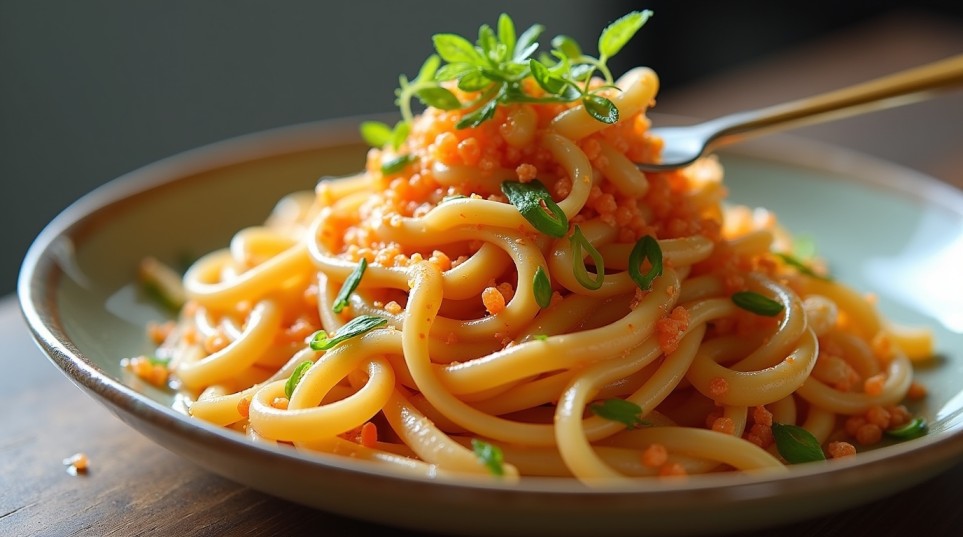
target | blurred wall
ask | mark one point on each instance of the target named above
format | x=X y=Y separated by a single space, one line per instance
x=90 y=90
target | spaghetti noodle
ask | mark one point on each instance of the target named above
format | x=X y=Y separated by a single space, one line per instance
x=422 y=314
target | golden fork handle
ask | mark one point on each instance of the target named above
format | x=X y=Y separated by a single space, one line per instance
x=900 y=88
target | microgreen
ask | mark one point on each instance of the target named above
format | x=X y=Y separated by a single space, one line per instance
x=579 y=242
x=296 y=376
x=361 y=324
x=492 y=71
x=620 y=410
x=796 y=445
x=350 y=284
x=916 y=428
x=756 y=303
x=490 y=455
x=542 y=288
x=536 y=205
x=646 y=248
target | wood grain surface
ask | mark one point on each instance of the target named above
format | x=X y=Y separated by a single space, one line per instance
x=136 y=487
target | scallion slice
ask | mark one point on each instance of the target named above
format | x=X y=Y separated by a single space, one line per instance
x=296 y=376
x=756 y=303
x=490 y=455
x=350 y=284
x=578 y=262
x=646 y=248
x=542 y=288
x=620 y=410
x=322 y=341
x=536 y=205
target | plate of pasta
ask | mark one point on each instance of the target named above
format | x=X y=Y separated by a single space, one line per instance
x=484 y=310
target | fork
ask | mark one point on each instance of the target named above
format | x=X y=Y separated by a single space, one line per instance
x=685 y=144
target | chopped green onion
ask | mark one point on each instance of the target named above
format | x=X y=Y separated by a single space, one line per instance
x=578 y=262
x=540 y=337
x=161 y=283
x=756 y=303
x=796 y=445
x=490 y=455
x=535 y=203
x=321 y=341
x=802 y=267
x=620 y=410
x=158 y=361
x=916 y=428
x=397 y=164
x=542 y=288
x=296 y=376
x=646 y=248
x=350 y=284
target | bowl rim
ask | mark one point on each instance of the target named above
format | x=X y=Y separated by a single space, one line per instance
x=40 y=273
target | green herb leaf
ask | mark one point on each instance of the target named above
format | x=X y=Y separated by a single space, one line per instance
x=477 y=117
x=540 y=337
x=397 y=164
x=490 y=455
x=361 y=324
x=375 y=133
x=600 y=108
x=617 y=34
x=400 y=132
x=455 y=48
x=620 y=410
x=646 y=248
x=296 y=376
x=506 y=32
x=542 y=288
x=549 y=83
x=802 y=267
x=579 y=242
x=453 y=71
x=438 y=97
x=916 y=428
x=527 y=43
x=350 y=284
x=567 y=46
x=428 y=69
x=796 y=445
x=756 y=303
x=535 y=203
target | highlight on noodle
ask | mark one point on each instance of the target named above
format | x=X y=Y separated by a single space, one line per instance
x=502 y=293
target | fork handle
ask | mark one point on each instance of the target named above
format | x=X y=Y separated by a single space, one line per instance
x=904 y=87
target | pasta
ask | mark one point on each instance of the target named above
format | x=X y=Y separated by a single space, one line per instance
x=425 y=315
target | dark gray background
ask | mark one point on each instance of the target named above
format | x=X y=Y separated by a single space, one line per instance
x=92 y=89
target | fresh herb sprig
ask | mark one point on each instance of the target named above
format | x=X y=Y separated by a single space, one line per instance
x=492 y=71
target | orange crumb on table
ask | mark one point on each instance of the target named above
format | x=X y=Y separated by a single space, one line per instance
x=78 y=463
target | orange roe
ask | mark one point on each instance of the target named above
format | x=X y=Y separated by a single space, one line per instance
x=280 y=403
x=494 y=301
x=670 y=329
x=718 y=387
x=840 y=449
x=723 y=425
x=655 y=455
x=672 y=469
x=244 y=407
x=369 y=435
x=874 y=384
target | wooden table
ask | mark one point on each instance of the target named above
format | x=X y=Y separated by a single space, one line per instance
x=136 y=487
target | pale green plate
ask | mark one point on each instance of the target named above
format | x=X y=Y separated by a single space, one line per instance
x=884 y=229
